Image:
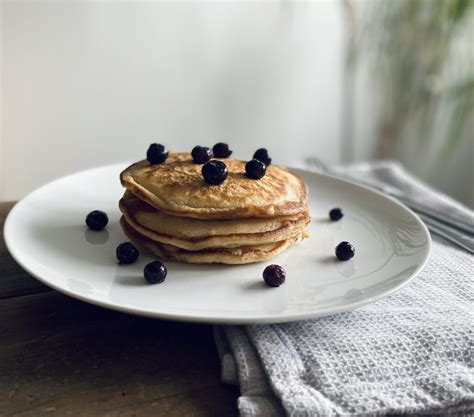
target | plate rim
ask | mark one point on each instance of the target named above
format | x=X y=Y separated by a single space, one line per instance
x=287 y=317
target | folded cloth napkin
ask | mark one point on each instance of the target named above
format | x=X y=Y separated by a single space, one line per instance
x=392 y=178
x=407 y=354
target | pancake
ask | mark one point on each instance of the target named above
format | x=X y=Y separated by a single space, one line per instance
x=241 y=255
x=194 y=234
x=177 y=187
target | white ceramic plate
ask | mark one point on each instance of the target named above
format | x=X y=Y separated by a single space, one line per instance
x=46 y=234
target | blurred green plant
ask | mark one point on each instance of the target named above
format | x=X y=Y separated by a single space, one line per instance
x=422 y=58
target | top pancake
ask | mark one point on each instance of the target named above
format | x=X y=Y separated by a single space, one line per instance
x=178 y=188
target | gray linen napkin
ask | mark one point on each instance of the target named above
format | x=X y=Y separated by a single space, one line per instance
x=408 y=354
x=393 y=179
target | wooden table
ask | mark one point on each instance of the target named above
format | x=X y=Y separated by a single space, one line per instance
x=62 y=357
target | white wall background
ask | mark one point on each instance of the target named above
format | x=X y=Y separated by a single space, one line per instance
x=90 y=83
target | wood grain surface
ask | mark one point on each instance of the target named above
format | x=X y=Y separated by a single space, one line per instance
x=62 y=357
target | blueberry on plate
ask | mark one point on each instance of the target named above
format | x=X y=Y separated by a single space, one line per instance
x=221 y=150
x=345 y=251
x=214 y=172
x=262 y=155
x=255 y=169
x=274 y=275
x=156 y=154
x=336 y=214
x=201 y=154
x=96 y=220
x=126 y=253
x=155 y=272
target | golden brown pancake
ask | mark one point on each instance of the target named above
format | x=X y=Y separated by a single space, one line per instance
x=240 y=255
x=177 y=187
x=194 y=234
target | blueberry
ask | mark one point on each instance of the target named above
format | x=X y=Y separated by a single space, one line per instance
x=255 y=169
x=262 y=155
x=345 y=251
x=96 y=220
x=336 y=214
x=274 y=275
x=214 y=172
x=221 y=150
x=126 y=253
x=201 y=154
x=155 y=272
x=157 y=154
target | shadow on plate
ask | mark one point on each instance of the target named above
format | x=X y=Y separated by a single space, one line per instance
x=73 y=241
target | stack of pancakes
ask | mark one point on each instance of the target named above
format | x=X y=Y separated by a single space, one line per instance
x=169 y=209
